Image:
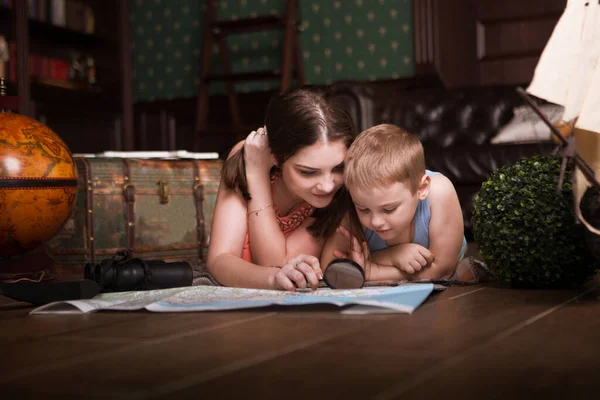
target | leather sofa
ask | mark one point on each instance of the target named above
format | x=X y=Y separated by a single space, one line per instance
x=454 y=125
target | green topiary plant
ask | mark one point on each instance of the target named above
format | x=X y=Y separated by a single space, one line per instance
x=526 y=231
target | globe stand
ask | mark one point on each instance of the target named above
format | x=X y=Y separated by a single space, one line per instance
x=32 y=266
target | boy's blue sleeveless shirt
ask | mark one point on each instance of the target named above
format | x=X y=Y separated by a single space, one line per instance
x=422 y=217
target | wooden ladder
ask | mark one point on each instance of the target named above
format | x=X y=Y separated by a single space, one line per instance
x=218 y=31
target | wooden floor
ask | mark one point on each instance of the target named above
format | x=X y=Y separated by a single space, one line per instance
x=474 y=342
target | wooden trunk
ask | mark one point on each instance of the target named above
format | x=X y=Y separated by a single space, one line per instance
x=157 y=209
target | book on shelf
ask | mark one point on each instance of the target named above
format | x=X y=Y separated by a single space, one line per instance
x=70 y=14
x=58 y=15
x=39 y=66
x=42 y=10
x=49 y=71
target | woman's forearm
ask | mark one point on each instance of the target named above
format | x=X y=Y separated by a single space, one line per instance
x=267 y=242
x=232 y=271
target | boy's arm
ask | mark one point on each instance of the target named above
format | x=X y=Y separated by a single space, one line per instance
x=339 y=246
x=446 y=229
x=446 y=232
x=378 y=272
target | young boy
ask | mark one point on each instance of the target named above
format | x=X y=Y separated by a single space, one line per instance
x=407 y=218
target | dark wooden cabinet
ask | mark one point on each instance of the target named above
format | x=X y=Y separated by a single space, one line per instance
x=482 y=42
x=88 y=117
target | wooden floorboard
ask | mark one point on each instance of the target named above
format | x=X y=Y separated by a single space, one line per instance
x=554 y=356
x=484 y=340
x=13 y=310
x=30 y=327
x=165 y=326
x=135 y=369
x=366 y=362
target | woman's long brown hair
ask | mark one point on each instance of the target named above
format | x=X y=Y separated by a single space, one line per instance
x=296 y=119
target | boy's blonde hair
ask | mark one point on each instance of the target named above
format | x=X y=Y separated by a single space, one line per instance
x=383 y=155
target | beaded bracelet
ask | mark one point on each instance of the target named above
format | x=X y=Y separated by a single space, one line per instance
x=260 y=209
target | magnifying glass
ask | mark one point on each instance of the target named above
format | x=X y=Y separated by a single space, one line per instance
x=343 y=273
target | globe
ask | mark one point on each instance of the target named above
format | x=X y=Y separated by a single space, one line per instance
x=38 y=184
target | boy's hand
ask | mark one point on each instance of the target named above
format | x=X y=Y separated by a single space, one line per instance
x=298 y=273
x=411 y=257
x=358 y=253
x=257 y=154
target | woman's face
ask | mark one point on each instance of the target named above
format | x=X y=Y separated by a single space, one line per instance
x=316 y=172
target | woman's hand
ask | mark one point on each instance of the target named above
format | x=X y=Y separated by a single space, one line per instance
x=357 y=253
x=298 y=273
x=257 y=154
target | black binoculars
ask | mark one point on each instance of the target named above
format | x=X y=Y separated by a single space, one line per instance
x=122 y=273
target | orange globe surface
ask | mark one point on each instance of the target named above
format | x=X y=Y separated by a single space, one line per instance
x=38 y=184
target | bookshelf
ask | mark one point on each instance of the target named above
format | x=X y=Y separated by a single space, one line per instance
x=72 y=72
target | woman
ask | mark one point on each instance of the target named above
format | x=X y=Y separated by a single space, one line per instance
x=279 y=194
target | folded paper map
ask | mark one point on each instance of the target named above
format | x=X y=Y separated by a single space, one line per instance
x=398 y=299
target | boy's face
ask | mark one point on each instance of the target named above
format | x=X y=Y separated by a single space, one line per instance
x=389 y=210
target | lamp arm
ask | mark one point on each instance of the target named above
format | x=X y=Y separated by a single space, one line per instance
x=586 y=170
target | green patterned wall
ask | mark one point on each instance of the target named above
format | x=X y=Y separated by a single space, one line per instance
x=341 y=40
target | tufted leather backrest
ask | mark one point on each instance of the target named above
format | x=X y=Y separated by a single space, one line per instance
x=438 y=116
x=450 y=117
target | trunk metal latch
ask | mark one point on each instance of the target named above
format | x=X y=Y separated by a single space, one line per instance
x=163 y=191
